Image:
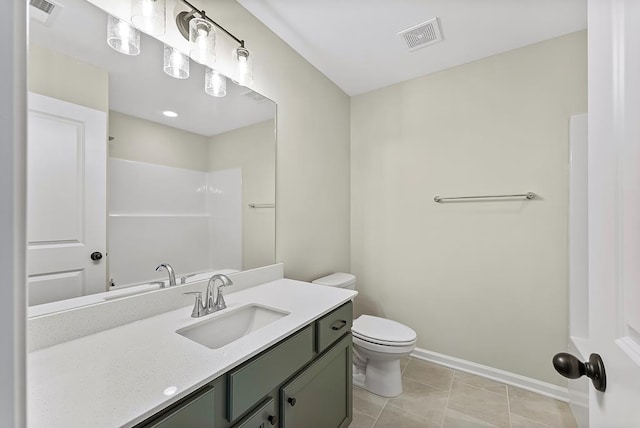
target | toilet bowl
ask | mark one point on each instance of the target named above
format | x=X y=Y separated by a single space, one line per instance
x=378 y=346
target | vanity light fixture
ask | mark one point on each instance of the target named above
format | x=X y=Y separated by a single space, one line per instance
x=122 y=37
x=242 y=57
x=170 y=113
x=215 y=84
x=176 y=64
x=149 y=16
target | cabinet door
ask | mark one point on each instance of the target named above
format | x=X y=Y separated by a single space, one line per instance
x=320 y=396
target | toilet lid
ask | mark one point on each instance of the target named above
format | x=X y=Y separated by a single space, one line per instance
x=376 y=329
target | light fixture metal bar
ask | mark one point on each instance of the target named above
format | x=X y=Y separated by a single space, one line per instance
x=203 y=15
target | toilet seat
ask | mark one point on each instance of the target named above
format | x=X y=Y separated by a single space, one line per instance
x=382 y=342
x=383 y=349
x=382 y=331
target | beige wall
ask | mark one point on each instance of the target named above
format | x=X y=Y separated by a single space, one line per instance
x=253 y=149
x=482 y=281
x=65 y=78
x=145 y=141
x=313 y=161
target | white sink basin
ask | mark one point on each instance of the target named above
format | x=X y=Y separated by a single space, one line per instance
x=231 y=324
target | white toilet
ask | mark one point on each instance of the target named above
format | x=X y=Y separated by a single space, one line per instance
x=378 y=346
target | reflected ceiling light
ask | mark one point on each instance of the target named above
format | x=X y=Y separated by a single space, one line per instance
x=170 y=391
x=194 y=29
x=122 y=37
x=149 y=16
x=244 y=66
x=202 y=41
x=215 y=84
x=170 y=113
x=176 y=64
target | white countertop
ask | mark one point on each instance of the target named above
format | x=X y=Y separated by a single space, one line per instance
x=121 y=376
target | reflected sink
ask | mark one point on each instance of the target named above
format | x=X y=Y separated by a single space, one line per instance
x=138 y=289
x=231 y=324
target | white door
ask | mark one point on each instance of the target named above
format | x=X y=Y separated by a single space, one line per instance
x=614 y=209
x=66 y=200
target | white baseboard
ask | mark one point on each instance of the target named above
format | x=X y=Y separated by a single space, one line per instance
x=523 y=382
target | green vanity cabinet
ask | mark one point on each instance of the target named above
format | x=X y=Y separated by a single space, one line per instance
x=304 y=381
x=320 y=396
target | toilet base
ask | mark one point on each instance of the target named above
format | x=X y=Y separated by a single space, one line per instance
x=382 y=378
x=358 y=379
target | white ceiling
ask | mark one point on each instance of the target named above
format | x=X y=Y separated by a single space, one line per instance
x=355 y=42
x=137 y=84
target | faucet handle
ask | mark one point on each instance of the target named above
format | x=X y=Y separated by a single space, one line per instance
x=198 y=308
x=220 y=298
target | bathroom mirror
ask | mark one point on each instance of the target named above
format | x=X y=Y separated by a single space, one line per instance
x=116 y=187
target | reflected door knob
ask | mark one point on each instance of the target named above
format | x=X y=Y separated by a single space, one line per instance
x=96 y=255
x=570 y=367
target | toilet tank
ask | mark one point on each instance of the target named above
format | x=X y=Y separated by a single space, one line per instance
x=338 y=279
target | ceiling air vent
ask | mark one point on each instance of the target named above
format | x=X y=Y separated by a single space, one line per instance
x=254 y=96
x=43 y=11
x=423 y=34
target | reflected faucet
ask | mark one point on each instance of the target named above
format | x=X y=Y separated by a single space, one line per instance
x=169 y=269
x=215 y=301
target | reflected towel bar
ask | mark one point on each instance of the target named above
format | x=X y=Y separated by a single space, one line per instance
x=529 y=195
x=262 y=205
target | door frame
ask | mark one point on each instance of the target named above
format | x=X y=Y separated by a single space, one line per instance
x=13 y=306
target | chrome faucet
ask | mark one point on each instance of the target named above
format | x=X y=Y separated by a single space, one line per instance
x=216 y=303
x=169 y=269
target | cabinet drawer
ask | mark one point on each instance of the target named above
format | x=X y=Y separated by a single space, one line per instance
x=253 y=381
x=196 y=411
x=333 y=326
x=265 y=416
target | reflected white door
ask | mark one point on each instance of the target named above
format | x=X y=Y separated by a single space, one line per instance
x=614 y=209
x=66 y=199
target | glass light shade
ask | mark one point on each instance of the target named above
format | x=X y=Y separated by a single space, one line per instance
x=149 y=16
x=176 y=64
x=215 y=83
x=244 y=66
x=202 y=41
x=122 y=37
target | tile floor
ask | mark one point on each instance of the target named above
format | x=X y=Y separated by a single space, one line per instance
x=436 y=396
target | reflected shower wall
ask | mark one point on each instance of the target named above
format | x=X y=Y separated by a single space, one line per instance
x=159 y=214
